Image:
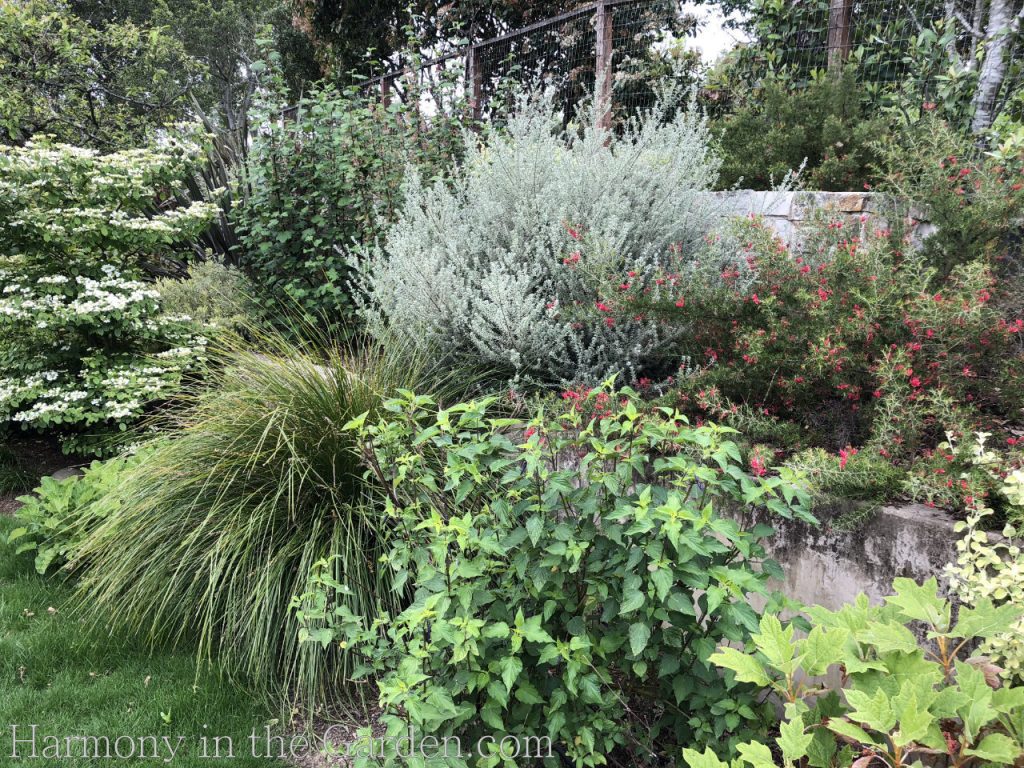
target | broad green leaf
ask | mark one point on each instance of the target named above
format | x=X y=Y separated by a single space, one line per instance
x=821 y=649
x=498 y=629
x=997 y=748
x=747 y=668
x=510 y=667
x=888 y=637
x=490 y=713
x=977 y=710
x=756 y=754
x=631 y=600
x=920 y=602
x=793 y=740
x=639 y=635
x=850 y=731
x=776 y=643
x=914 y=720
x=527 y=693
x=707 y=759
x=985 y=619
x=534 y=527
x=875 y=711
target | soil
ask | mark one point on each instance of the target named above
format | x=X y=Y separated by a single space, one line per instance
x=340 y=732
x=40 y=457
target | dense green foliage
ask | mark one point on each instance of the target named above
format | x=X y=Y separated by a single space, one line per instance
x=317 y=184
x=569 y=577
x=78 y=321
x=214 y=296
x=109 y=86
x=56 y=517
x=219 y=526
x=224 y=37
x=903 y=700
x=975 y=201
x=826 y=125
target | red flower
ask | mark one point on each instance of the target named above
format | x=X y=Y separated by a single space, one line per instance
x=680 y=302
x=915 y=382
x=530 y=432
x=757 y=466
x=845 y=454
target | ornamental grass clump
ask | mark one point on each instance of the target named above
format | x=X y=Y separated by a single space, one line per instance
x=519 y=262
x=220 y=524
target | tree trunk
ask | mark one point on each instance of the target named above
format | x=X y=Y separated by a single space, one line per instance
x=999 y=33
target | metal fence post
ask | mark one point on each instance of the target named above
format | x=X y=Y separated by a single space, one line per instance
x=839 y=23
x=474 y=83
x=603 y=23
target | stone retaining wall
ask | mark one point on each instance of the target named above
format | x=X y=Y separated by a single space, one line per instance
x=787 y=212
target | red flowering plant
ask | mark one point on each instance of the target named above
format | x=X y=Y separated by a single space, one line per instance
x=974 y=200
x=853 y=336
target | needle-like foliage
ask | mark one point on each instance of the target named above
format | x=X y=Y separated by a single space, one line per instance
x=221 y=524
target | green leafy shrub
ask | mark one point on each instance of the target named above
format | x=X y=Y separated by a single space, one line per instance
x=214 y=296
x=986 y=567
x=826 y=128
x=904 y=701
x=520 y=263
x=974 y=200
x=319 y=182
x=570 y=577
x=108 y=85
x=85 y=346
x=59 y=514
x=961 y=473
x=220 y=524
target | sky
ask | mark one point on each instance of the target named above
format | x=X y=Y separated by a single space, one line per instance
x=712 y=39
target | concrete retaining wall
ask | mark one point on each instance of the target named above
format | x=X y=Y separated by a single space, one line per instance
x=829 y=567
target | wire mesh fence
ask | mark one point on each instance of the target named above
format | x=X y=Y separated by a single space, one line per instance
x=925 y=49
x=612 y=42
x=931 y=50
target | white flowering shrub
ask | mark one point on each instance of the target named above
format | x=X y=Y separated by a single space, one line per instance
x=530 y=260
x=83 y=344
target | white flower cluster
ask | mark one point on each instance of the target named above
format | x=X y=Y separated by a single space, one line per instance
x=95 y=299
x=118 y=392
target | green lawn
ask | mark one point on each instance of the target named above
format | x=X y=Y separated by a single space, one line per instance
x=57 y=676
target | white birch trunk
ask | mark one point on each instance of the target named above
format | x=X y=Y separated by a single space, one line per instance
x=999 y=33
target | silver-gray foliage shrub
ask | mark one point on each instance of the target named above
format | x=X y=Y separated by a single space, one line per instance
x=522 y=261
